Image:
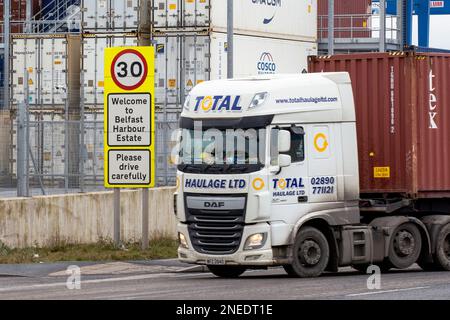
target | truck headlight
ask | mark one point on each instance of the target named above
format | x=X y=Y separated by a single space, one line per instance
x=255 y=241
x=183 y=241
x=258 y=100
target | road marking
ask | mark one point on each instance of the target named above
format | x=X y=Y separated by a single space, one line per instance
x=384 y=291
x=83 y=282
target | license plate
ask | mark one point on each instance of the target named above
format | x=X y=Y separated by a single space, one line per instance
x=215 y=262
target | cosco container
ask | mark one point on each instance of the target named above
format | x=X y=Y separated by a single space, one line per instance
x=403 y=124
x=39 y=70
x=184 y=60
x=288 y=19
x=116 y=15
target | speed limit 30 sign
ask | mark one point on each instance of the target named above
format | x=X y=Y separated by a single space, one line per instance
x=129 y=117
x=129 y=69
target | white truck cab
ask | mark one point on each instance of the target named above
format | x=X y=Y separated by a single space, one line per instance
x=268 y=176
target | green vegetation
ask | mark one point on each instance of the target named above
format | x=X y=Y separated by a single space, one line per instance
x=104 y=250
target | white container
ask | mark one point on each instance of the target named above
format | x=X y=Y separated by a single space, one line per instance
x=256 y=56
x=115 y=15
x=177 y=14
x=93 y=64
x=47 y=143
x=174 y=52
x=287 y=19
x=204 y=57
x=39 y=65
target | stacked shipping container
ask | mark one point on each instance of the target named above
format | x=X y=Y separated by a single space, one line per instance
x=61 y=78
x=191 y=47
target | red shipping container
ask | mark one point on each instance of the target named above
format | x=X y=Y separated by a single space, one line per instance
x=403 y=120
x=359 y=9
x=19 y=13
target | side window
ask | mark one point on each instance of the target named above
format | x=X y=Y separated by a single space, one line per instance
x=297 y=151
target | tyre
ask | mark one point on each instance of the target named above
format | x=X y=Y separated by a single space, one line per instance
x=442 y=255
x=405 y=246
x=227 y=271
x=289 y=270
x=310 y=254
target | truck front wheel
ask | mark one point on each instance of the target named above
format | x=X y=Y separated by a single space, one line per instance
x=310 y=254
x=227 y=271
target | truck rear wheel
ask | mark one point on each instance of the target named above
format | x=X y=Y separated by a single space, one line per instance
x=405 y=246
x=227 y=271
x=442 y=256
x=310 y=254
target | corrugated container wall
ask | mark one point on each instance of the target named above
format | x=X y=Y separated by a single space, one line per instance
x=403 y=124
x=39 y=65
x=345 y=7
x=281 y=19
x=184 y=60
x=359 y=9
x=116 y=15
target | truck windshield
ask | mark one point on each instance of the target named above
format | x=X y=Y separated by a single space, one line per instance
x=222 y=150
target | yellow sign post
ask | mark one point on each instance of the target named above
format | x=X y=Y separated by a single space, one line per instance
x=129 y=139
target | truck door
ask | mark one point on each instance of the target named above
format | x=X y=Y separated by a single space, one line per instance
x=289 y=185
x=322 y=163
x=312 y=175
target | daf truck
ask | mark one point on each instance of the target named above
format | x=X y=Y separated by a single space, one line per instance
x=269 y=175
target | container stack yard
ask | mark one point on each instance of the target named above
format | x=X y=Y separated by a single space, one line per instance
x=57 y=73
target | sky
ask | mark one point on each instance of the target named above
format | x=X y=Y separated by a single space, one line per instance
x=439 y=31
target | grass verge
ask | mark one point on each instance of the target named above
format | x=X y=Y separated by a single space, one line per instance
x=102 y=251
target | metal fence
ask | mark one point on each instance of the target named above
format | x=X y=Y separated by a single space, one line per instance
x=351 y=26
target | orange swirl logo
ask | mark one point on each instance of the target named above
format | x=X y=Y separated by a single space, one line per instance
x=258 y=184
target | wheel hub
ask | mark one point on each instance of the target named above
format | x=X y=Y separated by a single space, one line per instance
x=404 y=243
x=310 y=252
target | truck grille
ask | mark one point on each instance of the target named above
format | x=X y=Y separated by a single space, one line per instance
x=215 y=231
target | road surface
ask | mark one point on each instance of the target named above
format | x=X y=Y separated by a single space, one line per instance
x=143 y=281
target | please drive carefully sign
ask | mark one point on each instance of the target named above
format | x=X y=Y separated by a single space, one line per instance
x=129 y=117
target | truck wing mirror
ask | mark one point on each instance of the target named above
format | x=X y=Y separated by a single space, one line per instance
x=284 y=141
x=284 y=160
